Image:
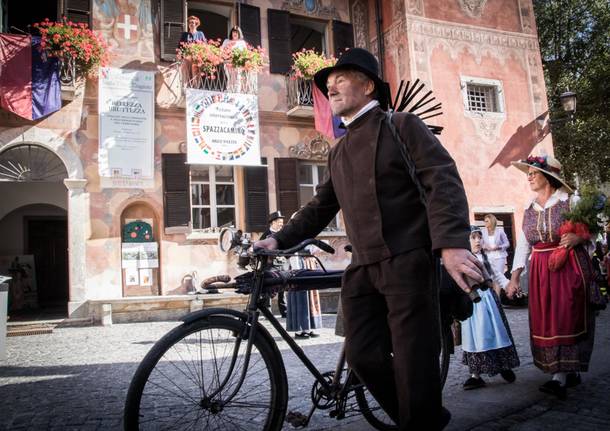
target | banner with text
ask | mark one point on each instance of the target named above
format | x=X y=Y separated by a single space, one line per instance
x=222 y=128
x=126 y=128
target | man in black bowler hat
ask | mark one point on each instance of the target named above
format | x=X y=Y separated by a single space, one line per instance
x=276 y=222
x=388 y=296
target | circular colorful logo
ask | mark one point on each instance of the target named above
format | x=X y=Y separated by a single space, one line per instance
x=223 y=127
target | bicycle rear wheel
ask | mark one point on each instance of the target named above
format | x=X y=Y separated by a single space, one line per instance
x=370 y=408
x=185 y=381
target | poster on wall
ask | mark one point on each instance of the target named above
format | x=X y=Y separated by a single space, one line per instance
x=146 y=277
x=222 y=128
x=126 y=128
x=22 y=286
x=139 y=255
x=132 y=277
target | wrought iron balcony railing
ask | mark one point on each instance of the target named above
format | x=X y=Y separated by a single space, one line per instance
x=300 y=96
x=72 y=84
x=225 y=79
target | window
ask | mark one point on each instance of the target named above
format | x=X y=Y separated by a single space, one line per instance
x=215 y=18
x=212 y=197
x=482 y=96
x=310 y=175
x=307 y=34
x=18 y=16
x=289 y=33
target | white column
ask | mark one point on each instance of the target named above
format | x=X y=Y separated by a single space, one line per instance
x=78 y=233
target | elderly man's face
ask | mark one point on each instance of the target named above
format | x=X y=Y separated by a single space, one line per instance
x=348 y=91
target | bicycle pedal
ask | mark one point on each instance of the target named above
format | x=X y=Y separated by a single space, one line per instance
x=297 y=419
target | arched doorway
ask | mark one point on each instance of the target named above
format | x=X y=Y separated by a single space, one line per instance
x=34 y=230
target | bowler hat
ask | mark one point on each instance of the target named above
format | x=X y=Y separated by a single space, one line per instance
x=275 y=215
x=361 y=60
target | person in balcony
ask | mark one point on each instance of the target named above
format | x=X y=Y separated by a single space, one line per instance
x=235 y=39
x=193 y=35
x=235 y=78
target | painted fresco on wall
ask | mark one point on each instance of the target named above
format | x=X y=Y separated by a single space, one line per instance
x=127 y=25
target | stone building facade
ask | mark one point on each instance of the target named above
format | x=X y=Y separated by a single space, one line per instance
x=480 y=58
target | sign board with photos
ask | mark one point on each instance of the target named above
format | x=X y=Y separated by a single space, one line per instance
x=126 y=128
x=222 y=128
x=135 y=255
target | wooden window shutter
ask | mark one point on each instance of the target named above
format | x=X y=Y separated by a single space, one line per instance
x=176 y=190
x=287 y=185
x=250 y=23
x=343 y=37
x=257 y=198
x=172 y=27
x=280 y=55
x=78 y=11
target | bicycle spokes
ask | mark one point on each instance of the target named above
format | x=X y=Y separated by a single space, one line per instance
x=199 y=383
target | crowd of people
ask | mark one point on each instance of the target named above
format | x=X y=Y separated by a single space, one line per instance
x=404 y=206
x=399 y=218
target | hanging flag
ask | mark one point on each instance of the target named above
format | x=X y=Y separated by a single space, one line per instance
x=325 y=122
x=29 y=84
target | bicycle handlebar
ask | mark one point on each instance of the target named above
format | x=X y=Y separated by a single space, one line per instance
x=293 y=250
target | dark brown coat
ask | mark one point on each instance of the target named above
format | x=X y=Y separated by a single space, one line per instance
x=382 y=210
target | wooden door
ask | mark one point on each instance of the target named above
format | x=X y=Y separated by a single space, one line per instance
x=47 y=240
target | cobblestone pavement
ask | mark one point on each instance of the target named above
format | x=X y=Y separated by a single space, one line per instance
x=77 y=378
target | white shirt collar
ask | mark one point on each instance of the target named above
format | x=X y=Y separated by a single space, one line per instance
x=366 y=108
x=558 y=195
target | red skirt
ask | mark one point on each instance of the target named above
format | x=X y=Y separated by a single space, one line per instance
x=557 y=300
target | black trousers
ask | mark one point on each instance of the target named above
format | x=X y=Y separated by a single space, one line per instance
x=392 y=336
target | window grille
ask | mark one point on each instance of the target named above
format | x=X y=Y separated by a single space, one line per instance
x=482 y=98
x=31 y=163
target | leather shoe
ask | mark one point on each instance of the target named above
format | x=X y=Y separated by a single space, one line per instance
x=573 y=379
x=553 y=387
x=301 y=336
x=508 y=375
x=473 y=383
x=313 y=335
x=445 y=417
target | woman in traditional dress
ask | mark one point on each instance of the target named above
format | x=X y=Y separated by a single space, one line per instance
x=495 y=244
x=487 y=342
x=562 y=322
x=304 y=313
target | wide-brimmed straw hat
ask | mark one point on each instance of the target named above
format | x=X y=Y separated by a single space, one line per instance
x=361 y=60
x=547 y=164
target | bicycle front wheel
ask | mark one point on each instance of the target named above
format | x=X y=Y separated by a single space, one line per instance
x=191 y=377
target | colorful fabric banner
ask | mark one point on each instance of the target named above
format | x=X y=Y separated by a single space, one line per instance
x=325 y=122
x=29 y=83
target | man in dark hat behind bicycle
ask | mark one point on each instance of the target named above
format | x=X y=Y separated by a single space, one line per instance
x=388 y=296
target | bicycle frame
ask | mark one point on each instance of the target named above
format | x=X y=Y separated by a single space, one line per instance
x=253 y=310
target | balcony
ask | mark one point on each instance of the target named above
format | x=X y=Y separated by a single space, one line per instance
x=225 y=79
x=300 y=97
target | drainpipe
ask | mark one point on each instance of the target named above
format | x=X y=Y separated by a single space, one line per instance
x=380 y=47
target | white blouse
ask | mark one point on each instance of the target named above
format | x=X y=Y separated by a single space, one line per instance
x=524 y=248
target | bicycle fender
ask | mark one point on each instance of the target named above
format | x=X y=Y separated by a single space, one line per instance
x=215 y=311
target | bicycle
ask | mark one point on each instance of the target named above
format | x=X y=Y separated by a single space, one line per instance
x=178 y=385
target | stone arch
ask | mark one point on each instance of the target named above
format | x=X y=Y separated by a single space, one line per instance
x=79 y=218
x=45 y=138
